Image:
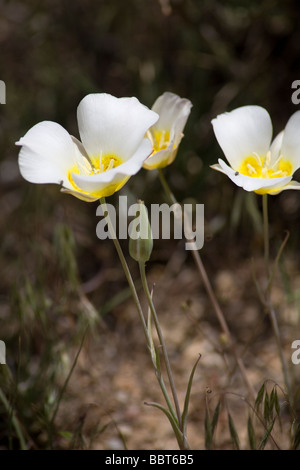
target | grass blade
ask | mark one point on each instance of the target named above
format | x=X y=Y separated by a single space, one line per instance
x=214 y=421
x=173 y=422
x=187 y=396
x=260 y=396
x=233 y=432
x=296 y=433
x=208 y=432
x=251 y=434
x=266 y=435
x=267 y=409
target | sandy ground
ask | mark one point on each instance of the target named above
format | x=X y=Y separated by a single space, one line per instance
x=114 y=378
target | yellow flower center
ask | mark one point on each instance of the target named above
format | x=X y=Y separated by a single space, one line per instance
x=160 y=139
x=260 y=167
x=103 y=163
x=96 y=165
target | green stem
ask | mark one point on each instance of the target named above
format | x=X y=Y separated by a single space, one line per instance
x=14 y=420
x=166 y=187
x=162 y=341
x=268 y=302
x=135 y=298
x=212 y=297
x=275 y=264
x=124 y=265
x=266 y=231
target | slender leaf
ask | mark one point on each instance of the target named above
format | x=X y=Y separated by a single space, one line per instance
x=267 y=409
x=251 y=434
x=208 y=431
x=296 y=441
x=215 y=417
x=277 y=406
x=233 y=432
x=266 y=435
x=272 y=399
x=260 y=396
x=154 y=353
x=173 y=422
x=187 y=396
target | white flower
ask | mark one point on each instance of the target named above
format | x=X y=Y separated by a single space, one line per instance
x=167 y=132
x=113 y=147
x=255 y=164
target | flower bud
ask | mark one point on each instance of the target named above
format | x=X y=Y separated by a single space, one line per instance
x=140 y=241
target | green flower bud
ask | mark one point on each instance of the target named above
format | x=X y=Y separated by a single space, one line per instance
x=140 y=241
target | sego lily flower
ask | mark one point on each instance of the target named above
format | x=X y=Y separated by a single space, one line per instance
x=255 y=164
x=112 y=147
x=166 y=133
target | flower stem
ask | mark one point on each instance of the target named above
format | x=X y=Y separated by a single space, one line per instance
x=136 y=301
x=212 y=297
x=268 y=302
x=166 y=187
x=125 y=266
x=161 y=339
x=266 y=232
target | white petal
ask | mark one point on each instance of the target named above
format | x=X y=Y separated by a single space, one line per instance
x=113 y=125
x=80 y=195
x=243 y=131
x=97 y=182
x=173 y=113
x=161 y=159
x=275 y=148
x=81 y=152
x=249 y=183
x=47 y=154
x=292 y=185
x=218 y=167
x=291 y=141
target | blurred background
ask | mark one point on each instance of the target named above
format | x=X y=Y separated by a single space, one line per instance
x=55 y=274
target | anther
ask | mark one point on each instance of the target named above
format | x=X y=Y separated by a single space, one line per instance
x=111 y=164
x=251 y=170
x=267 y=160
x=257 y=158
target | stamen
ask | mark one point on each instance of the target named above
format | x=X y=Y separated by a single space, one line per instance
x=251 y=169
x=259 y=167
x=279 y=173
x=111 y=164
x=162 y=139
x=100 y=161
x=267 y=160
x=85 y=166
x=276 y=162
x=257 y=158
x=150 y=137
